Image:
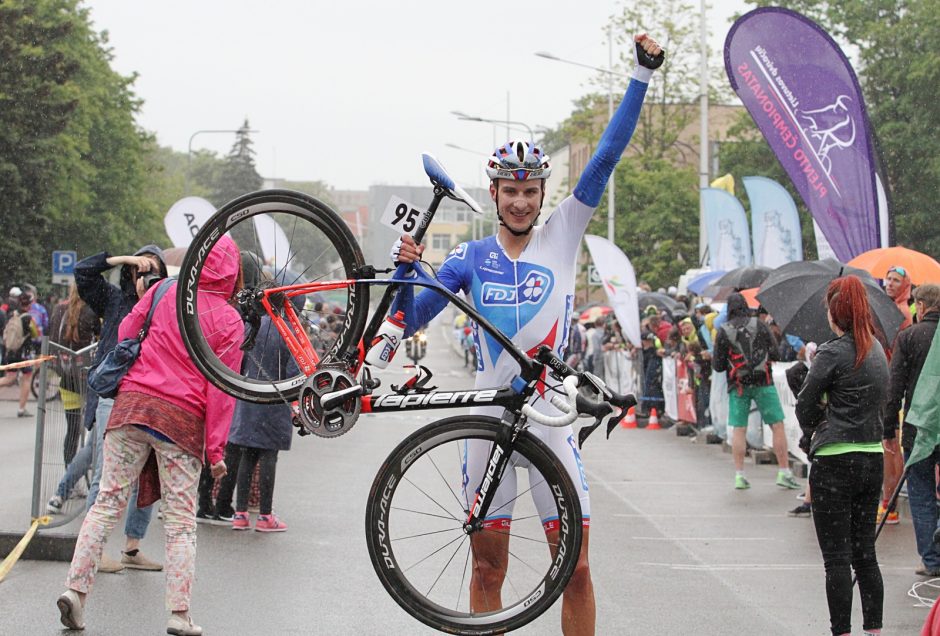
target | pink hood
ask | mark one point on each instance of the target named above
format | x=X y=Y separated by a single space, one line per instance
x=164 y=368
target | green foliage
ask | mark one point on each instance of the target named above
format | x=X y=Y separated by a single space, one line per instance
x=72 y=159
x=895 y=45
x=657 y=218
x=238 y=174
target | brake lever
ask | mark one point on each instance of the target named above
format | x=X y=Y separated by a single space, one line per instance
x=603 y=412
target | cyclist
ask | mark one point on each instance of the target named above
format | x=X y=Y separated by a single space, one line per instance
x=522 y=281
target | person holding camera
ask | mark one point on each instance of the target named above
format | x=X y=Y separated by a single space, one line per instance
x=111 y=303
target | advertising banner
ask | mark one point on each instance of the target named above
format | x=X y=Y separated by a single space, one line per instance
x=729 y=243
x=805 y=98
x=619 y=282
x=775 y=223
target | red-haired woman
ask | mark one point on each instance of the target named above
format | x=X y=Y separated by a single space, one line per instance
x=840 y=410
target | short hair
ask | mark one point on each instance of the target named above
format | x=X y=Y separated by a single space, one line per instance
x=929 y=294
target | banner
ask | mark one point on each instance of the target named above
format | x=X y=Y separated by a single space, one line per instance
x=729 y=246
x=804 y=96
x=619 y=372
x=275 y=249
x=685 y=394
x=184 y=219
x=823 y=249
x=670 y=390
x=775 y=223
x=619 y=282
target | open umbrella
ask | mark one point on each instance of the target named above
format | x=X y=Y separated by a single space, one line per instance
x=593 y=313
x=795 y=295
x=744 y=277
x=661 y=301
x=921 y=268
x=698 y=284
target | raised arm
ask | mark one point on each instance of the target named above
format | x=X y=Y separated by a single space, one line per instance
x=649 y=56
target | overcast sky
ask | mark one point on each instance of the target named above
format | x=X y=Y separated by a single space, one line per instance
x=351 y=93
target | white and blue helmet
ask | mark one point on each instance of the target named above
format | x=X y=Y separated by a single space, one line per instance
x=518 y=160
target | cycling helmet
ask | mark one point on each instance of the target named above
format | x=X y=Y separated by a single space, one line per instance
x=518 y=160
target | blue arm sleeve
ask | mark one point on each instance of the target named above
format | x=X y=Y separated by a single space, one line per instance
x=421 y=309
x=613 y=142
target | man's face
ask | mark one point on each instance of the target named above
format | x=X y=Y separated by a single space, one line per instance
x=519 y=202
x=893 y=283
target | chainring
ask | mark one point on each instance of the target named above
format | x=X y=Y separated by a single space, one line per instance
x=335 y=421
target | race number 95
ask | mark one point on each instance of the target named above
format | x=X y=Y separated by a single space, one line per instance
x=401 y=216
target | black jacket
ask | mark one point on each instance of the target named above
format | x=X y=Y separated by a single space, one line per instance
x=109 y=302
x=907 y=359
x=839 y=403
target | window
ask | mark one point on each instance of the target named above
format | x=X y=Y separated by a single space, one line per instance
x=440 y=241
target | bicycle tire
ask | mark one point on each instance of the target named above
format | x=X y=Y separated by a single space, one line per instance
x=390 y=517
x=322 y=237
x=52 y=385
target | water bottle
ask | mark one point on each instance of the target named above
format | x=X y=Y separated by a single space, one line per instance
x=386 y=341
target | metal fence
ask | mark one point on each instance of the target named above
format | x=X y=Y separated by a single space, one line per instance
x=64 y=453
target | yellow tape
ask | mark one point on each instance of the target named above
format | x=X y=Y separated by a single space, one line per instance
x=17 y=552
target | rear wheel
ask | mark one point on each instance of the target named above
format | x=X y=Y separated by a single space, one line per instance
x=421 y=551
x=288 y=238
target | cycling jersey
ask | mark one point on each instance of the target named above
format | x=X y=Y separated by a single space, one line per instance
x=530 y=300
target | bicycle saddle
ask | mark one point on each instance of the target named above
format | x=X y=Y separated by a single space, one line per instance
x=439 y=177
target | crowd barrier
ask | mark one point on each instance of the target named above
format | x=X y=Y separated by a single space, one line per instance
x=620 y=374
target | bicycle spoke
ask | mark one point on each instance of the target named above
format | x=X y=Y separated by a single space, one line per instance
x=423 y=559
x=525 y=563
x=446 y=565
x=527 y=490
x=427 y=514
x=433 y=500
x=444 y=479
x=427 y=534
x=463 y=578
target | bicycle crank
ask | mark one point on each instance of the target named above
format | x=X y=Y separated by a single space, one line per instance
x=329 y=403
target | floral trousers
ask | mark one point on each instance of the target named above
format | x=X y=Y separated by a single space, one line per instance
x=125 y=452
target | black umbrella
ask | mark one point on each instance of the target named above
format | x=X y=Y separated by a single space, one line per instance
x=795 y=293
x=661 y=301
x=744 y=277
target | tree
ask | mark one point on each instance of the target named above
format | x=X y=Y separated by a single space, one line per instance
x=238 y=174
x=72 y=159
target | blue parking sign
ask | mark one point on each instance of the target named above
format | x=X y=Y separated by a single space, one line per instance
x=63 y=262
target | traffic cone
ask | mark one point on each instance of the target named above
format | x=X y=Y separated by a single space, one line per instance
x=653 y=424
x=630 y=420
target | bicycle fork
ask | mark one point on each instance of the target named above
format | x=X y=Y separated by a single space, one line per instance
x=496 y=464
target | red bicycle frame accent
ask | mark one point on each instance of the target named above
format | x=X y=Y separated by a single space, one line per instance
x=294 y=334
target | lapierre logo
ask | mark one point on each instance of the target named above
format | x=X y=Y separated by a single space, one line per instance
x=434 y=398
x=488 y=479
x=532 y=290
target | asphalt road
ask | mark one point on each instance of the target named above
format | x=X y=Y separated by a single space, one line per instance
x=674 y=548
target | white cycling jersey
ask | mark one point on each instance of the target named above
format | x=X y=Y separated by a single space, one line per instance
x=530 y=300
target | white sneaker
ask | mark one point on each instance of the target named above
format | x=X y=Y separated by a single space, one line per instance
x=71 y=610
x=54 y=507
x=179 y=626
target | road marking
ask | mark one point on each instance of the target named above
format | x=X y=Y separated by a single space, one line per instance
x=703 y=539
x=727 y=567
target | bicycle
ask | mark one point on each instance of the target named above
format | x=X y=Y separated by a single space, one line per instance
x=419 y=537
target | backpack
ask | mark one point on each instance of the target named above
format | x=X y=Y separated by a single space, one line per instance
x=750 y=364
x=14 y=336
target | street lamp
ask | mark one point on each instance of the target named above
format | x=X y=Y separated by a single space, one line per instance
x=610 y=72
x=466 y=117
x=189 y=150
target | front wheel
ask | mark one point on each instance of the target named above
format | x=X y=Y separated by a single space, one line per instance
x=422 y=553
x=285 y=238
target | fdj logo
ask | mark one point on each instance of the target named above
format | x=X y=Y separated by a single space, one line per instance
x=532 y=290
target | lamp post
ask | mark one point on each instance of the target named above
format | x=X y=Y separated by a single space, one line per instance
x=611 y=73
x=485 y=120
x=189 y=150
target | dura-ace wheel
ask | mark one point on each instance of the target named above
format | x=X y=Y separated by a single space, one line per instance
x=285 y=238
x=421 y=551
